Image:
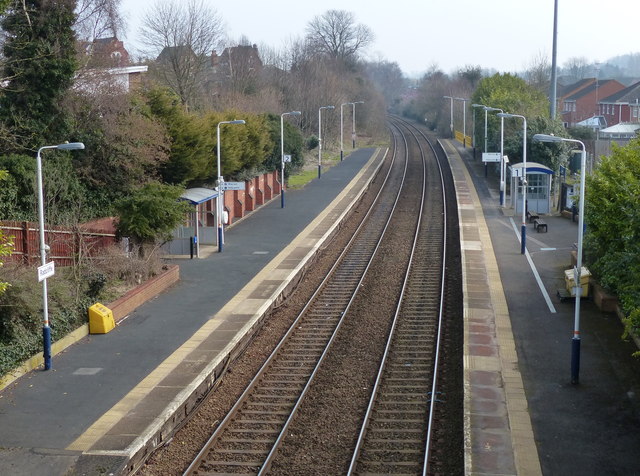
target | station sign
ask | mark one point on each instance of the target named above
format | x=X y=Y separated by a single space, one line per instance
x=232 y=186
x=491 y=157
x=46 y=270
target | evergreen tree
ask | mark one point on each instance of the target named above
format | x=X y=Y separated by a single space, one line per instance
x=40 y=61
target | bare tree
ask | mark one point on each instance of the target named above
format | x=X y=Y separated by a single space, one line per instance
x=336 y=34
x=98 y=18
x=577 y=67
x=538 y=73
x=388 y=79
x=182 y=35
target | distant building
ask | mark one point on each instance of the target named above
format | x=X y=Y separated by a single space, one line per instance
x=580 y=100
x=238 y=67
x=107 y=68
x=105 y=52
x=622 y=106
x=620 y=131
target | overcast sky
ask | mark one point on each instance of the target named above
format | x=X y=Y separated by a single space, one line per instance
x=506 y=35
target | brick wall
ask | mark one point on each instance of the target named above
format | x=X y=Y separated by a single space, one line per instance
x=141 y=294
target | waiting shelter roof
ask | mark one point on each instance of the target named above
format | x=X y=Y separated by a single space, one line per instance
x=533 y=167
x=199 y=195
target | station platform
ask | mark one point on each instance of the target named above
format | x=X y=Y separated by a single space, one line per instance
x=110 y=398
x=522 y=414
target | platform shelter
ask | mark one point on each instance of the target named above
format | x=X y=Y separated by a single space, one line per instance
x=538 y=187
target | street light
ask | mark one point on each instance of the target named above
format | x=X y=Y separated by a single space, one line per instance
x=46 y=330
x=575 y=341
x=451 y=116
x=320 y=138
x=464 y=120
x=489 y=108
x=342 y=129
x=292 y=113
x=523 y=244
x=220 y=182
x=353 y=123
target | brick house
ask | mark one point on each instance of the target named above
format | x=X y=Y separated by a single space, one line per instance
x=238 y=66
x=622 y=106
x=583 y=103
x=108 y=67
x=106 y=53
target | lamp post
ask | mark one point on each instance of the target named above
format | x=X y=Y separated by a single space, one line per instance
x=575 y=341
x=451 y=116
x=46 y=330
x=523 y=244
x=342 y=129
x=486 y=109
x=219 y=207
x=353 y=123
x=320 y=138
x=292 y=113
x=464 y=120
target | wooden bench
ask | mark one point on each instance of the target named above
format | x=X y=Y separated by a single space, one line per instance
x=531 y=216
x=539 y=224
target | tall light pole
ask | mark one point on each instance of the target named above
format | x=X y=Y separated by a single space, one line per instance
x=486 y=109
x=342 y=129
x=46 y=330
x=353 y=123
x=320 y=138
x=464 y=120
x=292 y=113
x=523 y=244
x=220 y=182
x=554 y=55
x=575 y=341
x=451 y=115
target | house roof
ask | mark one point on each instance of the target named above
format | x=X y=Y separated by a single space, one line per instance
x=533 y=167
x=574 y=87
x=589 y=89
x=198 y=195
x=627 y=95
x=170 y=52
x=622 y=128
x=594 y=121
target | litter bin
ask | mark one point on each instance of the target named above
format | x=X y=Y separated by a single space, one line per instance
x=569 y=279
x=100 y=319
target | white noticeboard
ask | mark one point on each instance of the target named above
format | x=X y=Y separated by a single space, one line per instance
x=491 y=156
x=287 y=158
x=46 y=270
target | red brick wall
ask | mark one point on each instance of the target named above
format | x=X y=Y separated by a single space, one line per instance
x=141 y=294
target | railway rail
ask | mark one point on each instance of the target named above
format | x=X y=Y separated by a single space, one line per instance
x=255 y=437
x=247 y=439
x=396 y=435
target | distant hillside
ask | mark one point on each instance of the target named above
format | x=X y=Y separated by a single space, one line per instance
x=629 y=64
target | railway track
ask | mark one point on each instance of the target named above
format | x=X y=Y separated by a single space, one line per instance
x=396 y=435
x=247 y=439
x=257 y=434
